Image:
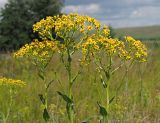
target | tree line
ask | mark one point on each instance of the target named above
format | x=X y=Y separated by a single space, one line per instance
x=17 y=18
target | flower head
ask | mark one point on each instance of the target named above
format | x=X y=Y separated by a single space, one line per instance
x=11 y=82
x=44 y=27
x=39 y=52
x=136 y=49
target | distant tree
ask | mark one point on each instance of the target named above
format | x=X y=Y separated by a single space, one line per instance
x=112 y=32
x=17 y=18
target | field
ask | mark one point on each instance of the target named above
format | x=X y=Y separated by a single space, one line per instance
x=143 y=33
x=139 y=102
x=134 y=93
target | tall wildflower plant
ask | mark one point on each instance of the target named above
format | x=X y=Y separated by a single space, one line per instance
x=12 y=87
x=68 y=34
x=137 y=53
x=100 y=46
x=40 y=53
x=73 y=30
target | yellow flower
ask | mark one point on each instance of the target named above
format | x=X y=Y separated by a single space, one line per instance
x=11 y=82
x=40 y=52
x=44 y=27
x=65 y=25
x=89 y=28
x=92 y=37
x=106 y=31
x=136 y=49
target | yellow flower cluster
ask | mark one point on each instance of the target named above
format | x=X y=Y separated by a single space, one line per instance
x=96 y=43
x=90 y=44
x=44 y=27
x=65 y=25
x=105 y=31
x=110 y=45
x=122 y=52
x=40 y=52
x=136 y=49
x=80 y=32
x=11 y=82
x=89 y=47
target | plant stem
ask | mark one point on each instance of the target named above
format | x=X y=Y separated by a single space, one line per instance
x=10 y=105
x=107 y=90
x=45 y=96
x=108 y=76
x=70 y=106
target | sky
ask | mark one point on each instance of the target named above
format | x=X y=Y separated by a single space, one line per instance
x=117 y=13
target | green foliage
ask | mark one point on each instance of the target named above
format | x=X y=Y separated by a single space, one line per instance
x=124 y=108
x=65 y=97
x=102 y=110
x=17 y=18
x=112 y=32
x=46 y=115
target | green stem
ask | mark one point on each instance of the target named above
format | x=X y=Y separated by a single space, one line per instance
x=9 y=107
x=126 y=83
x=107 y=93
x=127 y=76
x=108 y=82
x=70 y=106
x=141 y=85
x=107 y=90
x=45 y=96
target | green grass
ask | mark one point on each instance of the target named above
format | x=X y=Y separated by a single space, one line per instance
x=139 y=104
x=143 y=33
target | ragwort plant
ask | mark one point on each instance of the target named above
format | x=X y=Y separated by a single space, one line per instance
x=40 y=53
x=101 y=47
x=12 y=87
x=68 y=34
x=73 y=30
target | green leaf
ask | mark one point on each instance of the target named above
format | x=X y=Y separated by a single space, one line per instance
x=42 y=99
x=46 y=116
x=103 y=83
x=102 y=110
x=111 y=99
x=41 y=76
x=107 y=75
x=89 y=119
x=48 y=85
x=65 y=97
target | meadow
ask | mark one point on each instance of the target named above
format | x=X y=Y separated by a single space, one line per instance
x=150 y=33
x=140 y=103
x=134 y=95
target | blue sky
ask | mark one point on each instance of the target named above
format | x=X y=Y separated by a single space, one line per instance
x=118 y=13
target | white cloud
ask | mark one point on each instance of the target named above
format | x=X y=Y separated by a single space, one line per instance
x=146 y=12
x=130 y=22
x=2 y=3
x=83 y=9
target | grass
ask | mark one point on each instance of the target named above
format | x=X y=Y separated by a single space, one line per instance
x=143 y=33
x=140 y=103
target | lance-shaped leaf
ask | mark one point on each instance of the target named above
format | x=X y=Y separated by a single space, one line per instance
x=46 y=115
x=65 y=97
x=87 y=120
x=110 y=101
x=40 y=74
x=102 y=110
x=42 y=99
